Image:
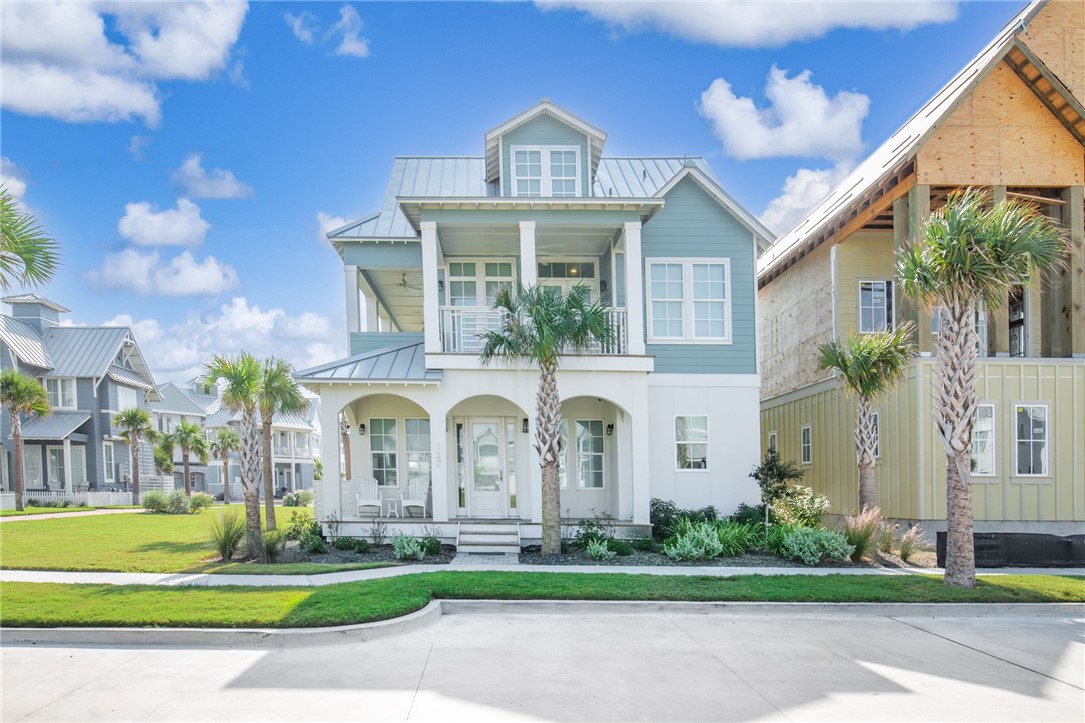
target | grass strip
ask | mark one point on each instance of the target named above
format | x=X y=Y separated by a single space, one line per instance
x=30 y=511
x=54 y=605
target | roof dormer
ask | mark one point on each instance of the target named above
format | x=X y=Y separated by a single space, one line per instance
x=544 y=152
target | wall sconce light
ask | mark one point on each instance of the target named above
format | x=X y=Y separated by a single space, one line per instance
x=603 y=286
x=610 y=429
x=440 y=286
x=524 y=427
x=361 y=430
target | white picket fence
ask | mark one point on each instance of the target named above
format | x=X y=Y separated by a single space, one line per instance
x=44 y=498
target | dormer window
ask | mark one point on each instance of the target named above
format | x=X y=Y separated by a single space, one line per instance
x=545 y=171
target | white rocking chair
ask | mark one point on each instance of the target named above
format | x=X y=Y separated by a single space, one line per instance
x=415 y=496
x=367 y=495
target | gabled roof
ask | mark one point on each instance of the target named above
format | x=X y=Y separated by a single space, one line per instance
x=596 y=137
x=406 y=363
x=893 y=157
x=35 y=299
x=224 y=416
x=693 y=172
x=91 y=351
x=182 y=401
x=25 y=342
x=127 y=376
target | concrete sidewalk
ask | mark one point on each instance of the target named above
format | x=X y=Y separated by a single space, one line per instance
x=333 y=578
x=61 y=515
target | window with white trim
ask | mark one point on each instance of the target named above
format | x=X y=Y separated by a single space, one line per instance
x=127 y=398
x=691 y=442
x=806 y=446
x=545 y=171
x=689 y=300
x=384 y=451
x=983 y=441
x=107 y=461
x=61 y=393
x=875 y=306
x=772 y=439
x=467 y=278
x=1031 y=440
x=416 y=433
x=589 y=454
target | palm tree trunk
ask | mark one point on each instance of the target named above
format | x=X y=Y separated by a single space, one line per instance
x=134 y=449
x=188 y=477
x=269 y=478
x=226 y=475
x=864 y=450
x=17 y=440
x=547 y=445
x=250 y=481
x=954 y=414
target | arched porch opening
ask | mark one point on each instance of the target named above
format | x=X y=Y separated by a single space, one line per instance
x=490 y=459
x=596 y=459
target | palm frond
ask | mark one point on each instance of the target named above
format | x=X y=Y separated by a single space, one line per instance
x=870 y=363
x=23 y=394
x=240 y=375
x=28 y=255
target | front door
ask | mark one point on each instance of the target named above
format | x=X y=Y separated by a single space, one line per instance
x=488 y=486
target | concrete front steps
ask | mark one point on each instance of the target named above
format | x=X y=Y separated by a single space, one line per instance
x=489 y=537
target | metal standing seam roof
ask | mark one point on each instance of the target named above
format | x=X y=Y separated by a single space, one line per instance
x=182 y=401
x=83 y=351
x=225 y=416
x=899 y=148
x=58 y=425
x=35 y=299
x=390 y=364
x=24 y=342
x=127 y=376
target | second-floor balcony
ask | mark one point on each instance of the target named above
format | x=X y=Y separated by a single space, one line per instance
x=463 y=330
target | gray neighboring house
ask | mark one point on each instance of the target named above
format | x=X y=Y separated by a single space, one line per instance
x=292 y=446
x=89 y=373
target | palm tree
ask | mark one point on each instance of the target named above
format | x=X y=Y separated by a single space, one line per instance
x=970 y=252
x=135 y=426
x=191 y=438
x=227 y=442
x=21 y=394
x=869 y=364
x=240 y=392
x=163 y=458
x=28 y=255
x=538 y=325
x=278 y=393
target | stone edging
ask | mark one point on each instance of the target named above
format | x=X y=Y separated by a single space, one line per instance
x=273 y=638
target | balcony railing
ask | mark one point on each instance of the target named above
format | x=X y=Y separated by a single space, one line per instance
x=463 y=329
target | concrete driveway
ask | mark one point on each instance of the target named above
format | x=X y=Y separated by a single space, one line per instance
x=591 y=664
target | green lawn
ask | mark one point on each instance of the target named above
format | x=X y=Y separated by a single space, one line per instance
x=51 y=605
x=61 y=510
x=115 y=543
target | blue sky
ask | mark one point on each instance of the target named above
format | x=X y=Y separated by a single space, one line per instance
x=185 y=156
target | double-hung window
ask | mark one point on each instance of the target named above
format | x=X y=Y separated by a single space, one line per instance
x=545 y=171
x=107 y=462
x=61 y=393
x=772 y=439
x=127 y=398
x=806 y=446
x=1031 y=440
x=691 y=442
x=689 y=300
x=875 y=306
x=983 y=441
x=384 y=448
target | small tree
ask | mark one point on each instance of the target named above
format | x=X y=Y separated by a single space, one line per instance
x=135 y=426
x=772 y=477
x=163 y=458
x=870 y=364
x=21 y=394
x=278 y=393
x=192 y=440
x=227 y=442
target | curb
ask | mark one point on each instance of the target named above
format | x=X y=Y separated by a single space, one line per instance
x=271 y=638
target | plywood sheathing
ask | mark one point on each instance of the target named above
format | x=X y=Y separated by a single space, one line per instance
x=1057 y=36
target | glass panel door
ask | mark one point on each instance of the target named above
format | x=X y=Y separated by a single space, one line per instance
x=32 y=467
x=487 y=468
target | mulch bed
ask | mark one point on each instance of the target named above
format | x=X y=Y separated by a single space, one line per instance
x=376 y=554
x=531 y=555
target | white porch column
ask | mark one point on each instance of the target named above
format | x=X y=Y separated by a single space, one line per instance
x=68 y=486
x=440 y=467
x=328 y=495
x=372 y=322
x=350 y=282
x=431 y=311
x=624 y=434
x=634 y=287
x=529 y=268
x=642 y=493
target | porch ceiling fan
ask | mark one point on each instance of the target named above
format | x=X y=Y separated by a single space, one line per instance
x=405 y=285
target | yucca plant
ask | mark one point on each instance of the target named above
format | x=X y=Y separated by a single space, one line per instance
x=227 y=532
x=969 y=252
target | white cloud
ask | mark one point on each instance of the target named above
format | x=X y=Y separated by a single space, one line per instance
x=60 y=62
x=348 y=29
x=302 y=25
x=801 y=192
x=144 y=225
x=757 y=23
x=195 y=182
x=12 y=178
x=178 y=352
x=147 y=274
x=137 y=146
x=801 y=119
x=327 y=222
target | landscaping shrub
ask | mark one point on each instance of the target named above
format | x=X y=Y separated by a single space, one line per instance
x=747 y=514
x=155 y=501
x=802 y=507
x=860 y=531
x=810 y=546
x=737 y=538
x=305 y=497
x=378 y=533
x=361 y=545
x=773 y=475
x=596 y=530
x=600 y=550
x=620 y=547
x=662 y=514
x=290 y=499
x=887 y=535
x=300 y=523
x=645 y=544
x=177 y=503
x=274 y=544
x=199 y=501
x=699 y=542
x=227 y=531
x=312 y=543
x=912 y=542
x=343 y=543
x=774 y=543
x=62 y=504
x=431 y=546
x=406 y=547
